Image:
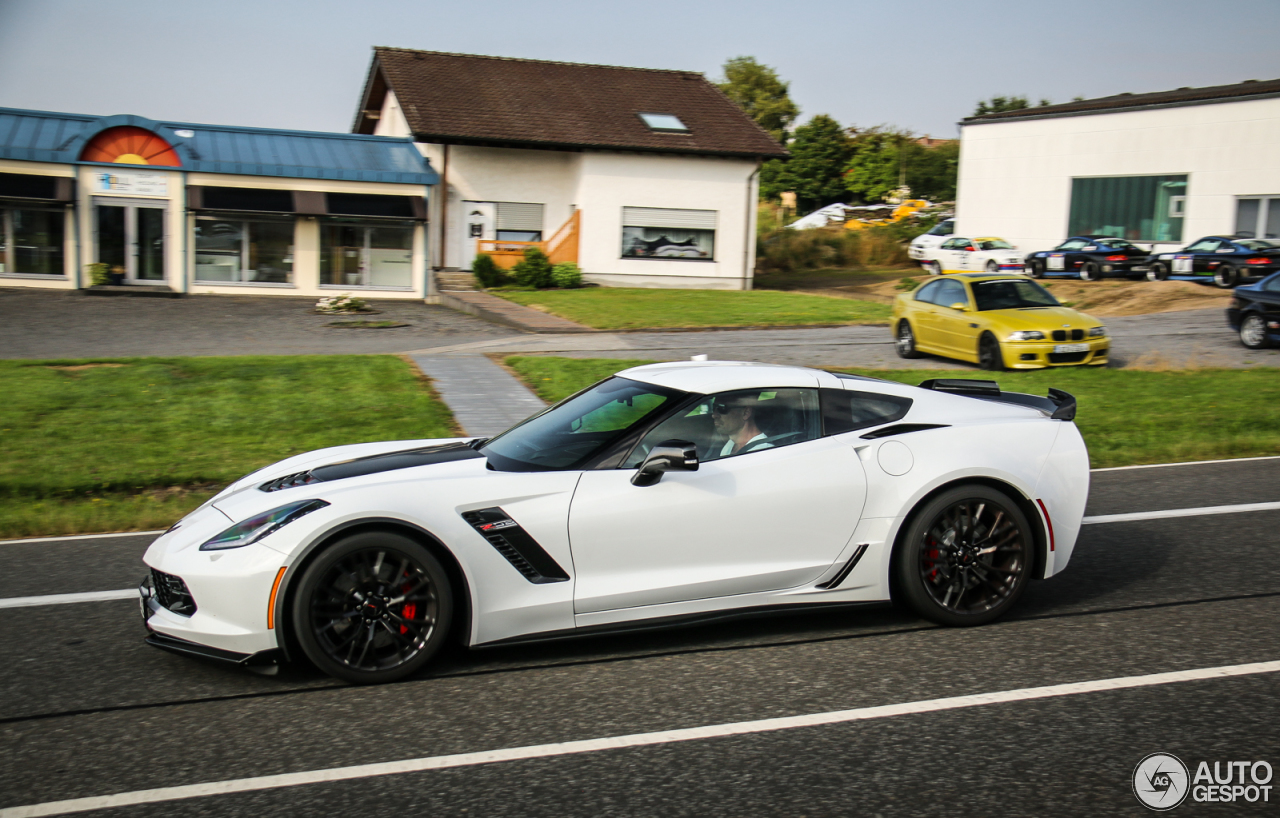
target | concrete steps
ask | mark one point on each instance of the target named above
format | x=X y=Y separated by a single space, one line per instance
x=455 y=281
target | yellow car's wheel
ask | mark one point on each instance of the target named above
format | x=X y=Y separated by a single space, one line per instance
x=906 y=341
x=989 y=355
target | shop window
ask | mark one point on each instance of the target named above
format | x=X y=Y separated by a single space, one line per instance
x=360 y=204
x=377 y=255
x=1258 y=217
x=240 y=251
x=668 y=233
x=247 y=198
x=32 y=242
x=1137 y=208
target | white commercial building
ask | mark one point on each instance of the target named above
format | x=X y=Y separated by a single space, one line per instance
x=1160 y=169
x=645 y=178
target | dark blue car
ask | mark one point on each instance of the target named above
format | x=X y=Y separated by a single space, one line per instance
x=1088 y=258
x=1255 y=313
x=1227 y=261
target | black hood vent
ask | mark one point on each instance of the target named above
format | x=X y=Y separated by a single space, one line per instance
x=373 y=464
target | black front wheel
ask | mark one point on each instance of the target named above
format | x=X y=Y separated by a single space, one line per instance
x=906 y=342
x=1089 y=271
x=966 y=557
x=1253 y=331
x=373 y=608
x=989 y=354
x=1159 y=272
x=1037 y=268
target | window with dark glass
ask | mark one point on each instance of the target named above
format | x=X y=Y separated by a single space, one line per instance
x=845 y=410
x=668 y=233
x=366 y=254
x=241 y=251
x=31 y=241
x=1138 y=208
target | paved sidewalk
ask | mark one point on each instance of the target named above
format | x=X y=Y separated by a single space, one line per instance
x=508 y=313
x=485 y=399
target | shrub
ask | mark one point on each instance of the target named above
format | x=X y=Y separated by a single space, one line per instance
x=534 y=271
x=789 y=250
x=341 y=304
x=566 y=275
x=98 y=273
x=907 y=284
x=487 y=271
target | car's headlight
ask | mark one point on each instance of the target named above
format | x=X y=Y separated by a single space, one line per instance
x=1098 y=332
x=1026 y=335
x=260 y=525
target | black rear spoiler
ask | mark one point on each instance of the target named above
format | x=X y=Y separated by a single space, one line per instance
x=1060 y=405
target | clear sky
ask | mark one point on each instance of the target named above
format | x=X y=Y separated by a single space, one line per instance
x=920 y=64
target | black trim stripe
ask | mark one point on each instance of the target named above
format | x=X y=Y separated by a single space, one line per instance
x=840 y=577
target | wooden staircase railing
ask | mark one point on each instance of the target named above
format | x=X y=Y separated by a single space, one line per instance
x=561 y=247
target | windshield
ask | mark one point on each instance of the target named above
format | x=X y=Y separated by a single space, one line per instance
x=942 y=229
x=578 y=428
x=994 y=244
x=1011 y=293
x=1257 y=244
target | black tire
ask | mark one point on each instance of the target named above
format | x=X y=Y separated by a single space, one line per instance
x=905 y=341
x=935 y=268
x=1226 y=276
x=989 y=355
x=374 y=607
x=1159 y=272
x=992 y=267
x=1253 y=331
x=1089 y=271
x=965 y=557
x=1037 y=268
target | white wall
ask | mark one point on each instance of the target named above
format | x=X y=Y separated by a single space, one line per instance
x=1015 y=176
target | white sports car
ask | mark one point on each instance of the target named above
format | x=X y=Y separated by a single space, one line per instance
x=666 y=494
x=962 y=255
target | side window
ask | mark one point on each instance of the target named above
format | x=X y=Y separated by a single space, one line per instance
x=950 y=292
x=928 y=291
x=844 y=410
x=741 y=422
x=949 y=244
x=1073 y=244
x=1204 y=246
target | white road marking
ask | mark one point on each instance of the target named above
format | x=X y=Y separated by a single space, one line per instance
x=82 y=537
x=66 y=599
x=268 y=782
x=1189 y=463
x=1178 y=512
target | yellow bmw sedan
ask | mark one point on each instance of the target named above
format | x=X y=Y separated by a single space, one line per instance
x=996 y=321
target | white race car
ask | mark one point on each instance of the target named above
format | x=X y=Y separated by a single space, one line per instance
x=665 y=494
x=961 y=255
x=925 y=242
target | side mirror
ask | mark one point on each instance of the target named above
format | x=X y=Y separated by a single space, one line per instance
x=960 y=306
x=669 y=455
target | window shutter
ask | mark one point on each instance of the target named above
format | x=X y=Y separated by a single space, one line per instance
x=668 y=217
x=519 y=216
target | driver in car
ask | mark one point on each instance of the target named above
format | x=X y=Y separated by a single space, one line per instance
x=734 y=417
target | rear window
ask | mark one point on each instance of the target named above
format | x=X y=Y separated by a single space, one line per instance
x=844 y=410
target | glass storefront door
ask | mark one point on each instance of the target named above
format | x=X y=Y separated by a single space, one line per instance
x=129 y=238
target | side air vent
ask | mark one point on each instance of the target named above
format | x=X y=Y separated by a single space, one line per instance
x=844 y=572
x=514 y=543
x=302 y=478
x=172 y=593
x=901 y=429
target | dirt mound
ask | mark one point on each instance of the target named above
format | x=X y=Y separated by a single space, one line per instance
x=1102 y=298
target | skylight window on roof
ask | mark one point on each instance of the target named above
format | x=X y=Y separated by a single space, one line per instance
x=664 y=123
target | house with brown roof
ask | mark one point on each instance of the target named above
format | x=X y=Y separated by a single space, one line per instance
x=645 y=178
x=1162 y=169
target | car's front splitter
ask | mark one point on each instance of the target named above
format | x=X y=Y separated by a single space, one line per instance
x=264 y=661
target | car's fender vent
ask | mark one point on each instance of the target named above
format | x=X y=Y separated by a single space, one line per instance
x=514 y=543
x=302 y=478
x=901 y=429
x=171 y=592
x=844 y=572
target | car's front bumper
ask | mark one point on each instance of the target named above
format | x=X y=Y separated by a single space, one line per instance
x=1041 y=354
x=153 y=614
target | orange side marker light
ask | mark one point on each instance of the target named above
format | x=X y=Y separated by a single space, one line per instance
x=271 y=604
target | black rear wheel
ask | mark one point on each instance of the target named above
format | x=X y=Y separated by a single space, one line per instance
x=1227 y=276
x=374 y=607
x=1037 y=268
x=1159 y=272
x=989 y=355
x=966 y=557
x=1253 y=331
x=1089 y=271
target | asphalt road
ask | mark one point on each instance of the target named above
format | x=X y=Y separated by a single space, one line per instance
x=90 y=710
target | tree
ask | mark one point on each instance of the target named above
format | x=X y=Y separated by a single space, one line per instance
x=820 y=153
x=885 y=158
x=999 y=105
x=756 y=89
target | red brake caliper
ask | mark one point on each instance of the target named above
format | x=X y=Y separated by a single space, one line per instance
x=930 y=556
x=409 y=610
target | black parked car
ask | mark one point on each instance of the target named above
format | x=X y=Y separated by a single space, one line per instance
x=1090 y=258
x=1255 y=313
x=1229 y=261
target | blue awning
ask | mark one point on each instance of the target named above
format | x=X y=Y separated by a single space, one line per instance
x=44 y=136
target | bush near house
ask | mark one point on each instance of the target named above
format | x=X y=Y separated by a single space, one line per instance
x=534 y=271
x=566 y=275
x=789 y=251
x=487 y=271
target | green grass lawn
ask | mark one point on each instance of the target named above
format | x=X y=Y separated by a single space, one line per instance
x=628 y=308
x=133 y=444
x=1127 y=417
